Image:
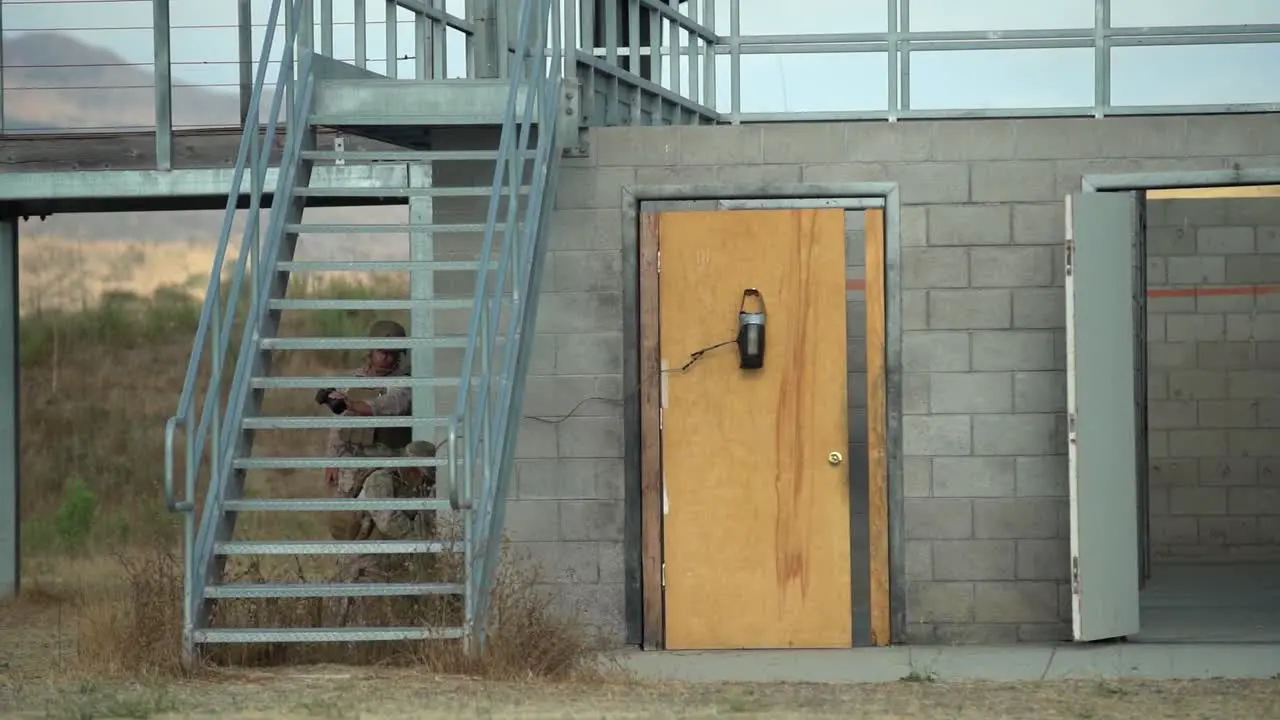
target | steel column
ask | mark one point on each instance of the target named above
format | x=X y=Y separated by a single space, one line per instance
x=421 y=291
x=10 y=460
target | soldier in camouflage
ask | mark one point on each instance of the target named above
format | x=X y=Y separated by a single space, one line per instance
x=376 y=483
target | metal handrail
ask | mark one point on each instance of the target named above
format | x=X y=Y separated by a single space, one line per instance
x=212 y=341
x=484 y=417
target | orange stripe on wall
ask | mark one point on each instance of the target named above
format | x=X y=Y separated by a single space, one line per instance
x=1215 y=290
x=858 y=285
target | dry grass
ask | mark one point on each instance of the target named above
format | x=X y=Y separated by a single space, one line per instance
x=102 y=566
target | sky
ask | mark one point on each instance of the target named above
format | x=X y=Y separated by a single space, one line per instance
x=204 y=43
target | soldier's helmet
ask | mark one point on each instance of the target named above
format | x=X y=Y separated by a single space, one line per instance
x=388 y=329
x=421 y=448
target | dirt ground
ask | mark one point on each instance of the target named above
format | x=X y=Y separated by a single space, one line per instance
x=369 y=693
x=38 y=678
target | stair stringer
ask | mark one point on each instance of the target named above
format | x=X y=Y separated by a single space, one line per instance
x=550 y=143
x=217 y=524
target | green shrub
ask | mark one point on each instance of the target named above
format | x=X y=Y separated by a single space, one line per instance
x=74 y=520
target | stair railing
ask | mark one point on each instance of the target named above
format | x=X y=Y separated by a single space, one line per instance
x=212 y=342
x=485 y=423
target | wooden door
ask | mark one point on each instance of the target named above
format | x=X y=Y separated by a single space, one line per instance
x=755 y=505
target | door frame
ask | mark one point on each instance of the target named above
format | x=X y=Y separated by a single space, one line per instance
x=1144 y=183
x=642 y=468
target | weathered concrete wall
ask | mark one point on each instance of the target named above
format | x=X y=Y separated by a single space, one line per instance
x=982 y=342
x=1214 y=380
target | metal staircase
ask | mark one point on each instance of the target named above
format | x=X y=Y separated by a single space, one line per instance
x=515 y=130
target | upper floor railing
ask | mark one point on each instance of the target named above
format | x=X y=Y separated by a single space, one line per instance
x=85 y=65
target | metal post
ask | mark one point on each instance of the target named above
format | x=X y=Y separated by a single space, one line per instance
x=393 y=55
x=245 y=29
x=421 y=291
x=362 y=29
x=735 y=64
x=422 y=56
x=439 y=43
x=10 y=461
x=326 y=28
x=1 y=69
x=904 y=56
x=1101 y=57
x=164 y=84
x=893 y=61
x=485 y=41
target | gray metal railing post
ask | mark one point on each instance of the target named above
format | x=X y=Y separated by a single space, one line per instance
x=1101 y=57
x=244 y=27
x=163 y=73
x=893 y=60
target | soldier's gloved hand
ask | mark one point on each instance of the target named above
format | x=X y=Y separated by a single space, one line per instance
x=336 y=405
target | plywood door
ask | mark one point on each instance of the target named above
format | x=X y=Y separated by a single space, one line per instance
x=755 y=513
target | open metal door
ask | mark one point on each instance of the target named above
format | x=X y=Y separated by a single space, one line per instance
x=1102 y=413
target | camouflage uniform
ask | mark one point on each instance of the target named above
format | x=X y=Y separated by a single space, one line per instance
x=379 y=483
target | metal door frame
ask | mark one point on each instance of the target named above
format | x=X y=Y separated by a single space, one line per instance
x=849 y=196
x=1141 y=183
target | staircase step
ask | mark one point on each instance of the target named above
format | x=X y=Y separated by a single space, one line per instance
x=373 y=266
x=332 y=505
x=254 y=591
x=402 y=192
x=299 y=382
x=327 y=547
x=388 y=228
x=363 y=304
x=358 y=343
x=316 y=463
x=340 y=421
x=318 y=635
x=363 y=156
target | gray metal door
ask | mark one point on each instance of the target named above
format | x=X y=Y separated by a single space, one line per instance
x=1102 y=413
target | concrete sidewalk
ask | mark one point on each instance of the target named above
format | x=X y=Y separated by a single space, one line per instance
x=992 y=663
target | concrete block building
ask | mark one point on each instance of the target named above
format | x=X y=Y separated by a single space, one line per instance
x=981 y=510
x=1008 y=373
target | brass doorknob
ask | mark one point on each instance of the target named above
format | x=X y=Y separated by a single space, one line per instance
x=835 y=458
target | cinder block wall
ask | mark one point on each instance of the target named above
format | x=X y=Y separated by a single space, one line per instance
x=1214 y=380
x=983 y=354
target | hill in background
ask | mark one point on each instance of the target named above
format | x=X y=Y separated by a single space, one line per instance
x=55 y=81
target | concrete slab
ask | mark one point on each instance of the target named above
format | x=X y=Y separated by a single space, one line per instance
x=981 y=663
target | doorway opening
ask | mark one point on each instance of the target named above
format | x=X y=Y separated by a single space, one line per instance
x=1211 y=544
x=763 y=489
x=1205 y=439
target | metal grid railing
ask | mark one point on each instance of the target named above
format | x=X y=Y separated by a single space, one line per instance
x=693 y=55
x=708 y=61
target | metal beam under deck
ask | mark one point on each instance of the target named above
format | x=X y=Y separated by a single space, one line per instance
x=47 y=193
x=136 y=150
